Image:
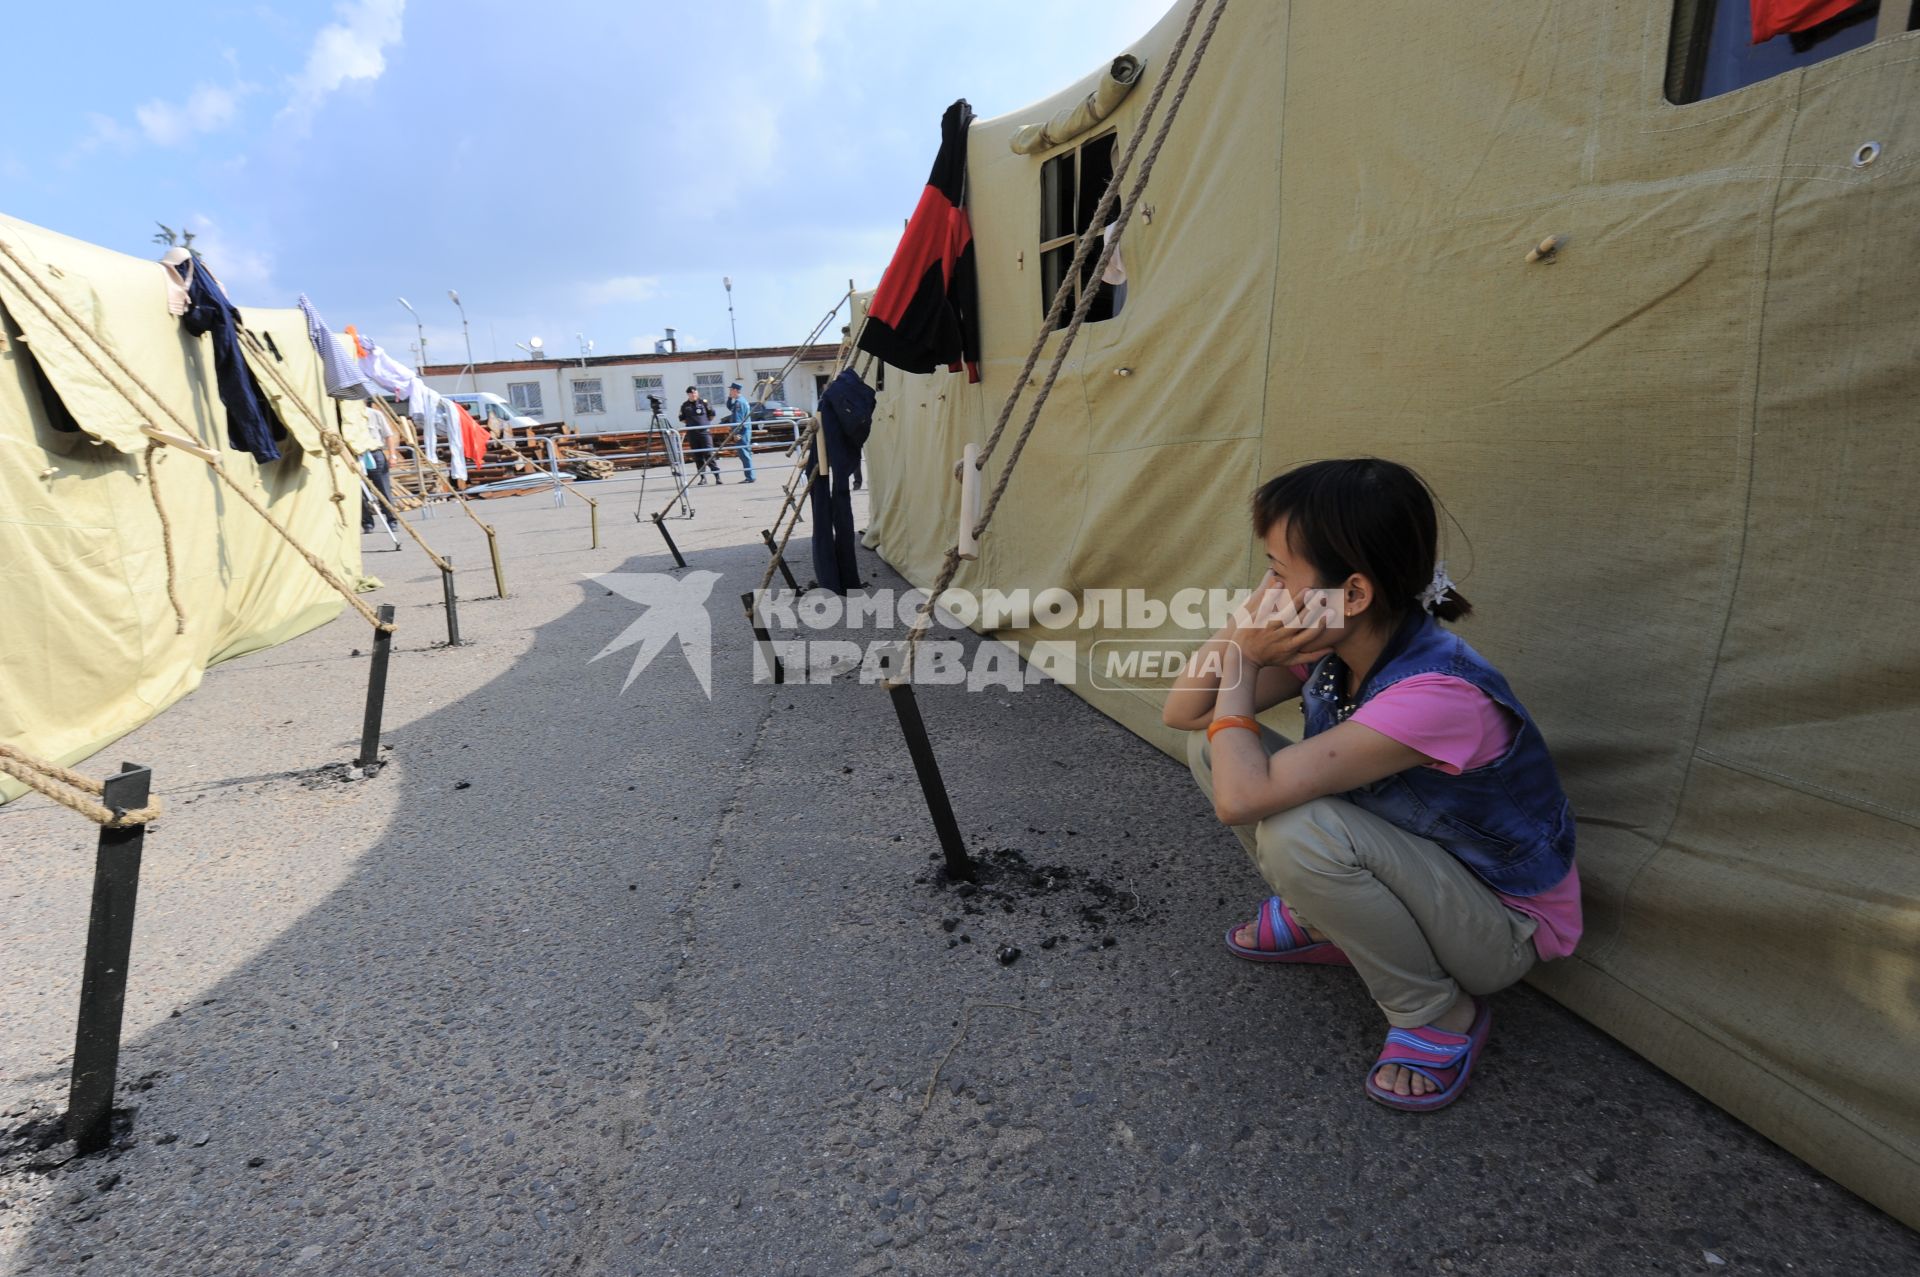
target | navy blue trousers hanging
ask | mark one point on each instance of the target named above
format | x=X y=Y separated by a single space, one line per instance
x=846 y=418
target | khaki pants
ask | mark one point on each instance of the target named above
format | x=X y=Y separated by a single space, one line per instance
x=1418 y=924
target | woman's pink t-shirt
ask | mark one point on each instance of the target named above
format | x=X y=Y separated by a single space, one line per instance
x=1460 y=727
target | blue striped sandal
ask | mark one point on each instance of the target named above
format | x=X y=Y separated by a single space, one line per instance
x=1279 y=937
x=1444 y=1059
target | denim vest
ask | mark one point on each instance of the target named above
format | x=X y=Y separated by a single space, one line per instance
x=1508 y=821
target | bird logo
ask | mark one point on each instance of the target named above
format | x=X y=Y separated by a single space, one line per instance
x=676 y=611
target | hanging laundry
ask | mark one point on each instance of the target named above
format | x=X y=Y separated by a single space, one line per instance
x=1116 y=271
x=429 y=412
x=473 y=438
x=926 y=311
x=177 y=286
x=421 y=403
x=1115 y=275
x=383 y=370
x=338 y=367
x=846 y=419
x=446 y=417
x=1778 y=17
x=251 y=424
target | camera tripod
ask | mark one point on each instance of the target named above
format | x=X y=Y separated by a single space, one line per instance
x=676 y=465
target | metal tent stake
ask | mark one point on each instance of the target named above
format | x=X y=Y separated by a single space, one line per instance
x=453 y=602
x=103 y=980
x=927 y=768
x=762 y=637
x=773 y=547
x=376 y=690
x=659 y=521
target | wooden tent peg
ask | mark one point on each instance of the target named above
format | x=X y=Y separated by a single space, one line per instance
x=184 y=444
x=967 y=546
x=1546 y=248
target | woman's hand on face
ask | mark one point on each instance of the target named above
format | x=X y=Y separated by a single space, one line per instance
x=1282 y=641
x=1258 y=607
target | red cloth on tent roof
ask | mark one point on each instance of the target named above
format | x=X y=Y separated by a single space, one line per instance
x=473 y=440
x=1778 y=17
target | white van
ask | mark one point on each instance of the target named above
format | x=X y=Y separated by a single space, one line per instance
x=496 y=416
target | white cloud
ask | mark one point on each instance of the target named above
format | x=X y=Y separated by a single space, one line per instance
x=353 y=48
x=245 y=271
x=803 y=25
x=622 y=288
x=207 y=109
x=104 y=130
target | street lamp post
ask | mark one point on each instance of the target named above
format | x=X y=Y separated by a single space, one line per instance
x=419 y=331
x=454 y=297
x=731 y=326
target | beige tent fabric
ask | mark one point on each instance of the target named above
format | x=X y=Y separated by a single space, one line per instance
x=1070 y=122
x=1681 y=460
x=87 y=643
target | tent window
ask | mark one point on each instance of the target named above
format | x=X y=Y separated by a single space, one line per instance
x=54 y=408
x=587 y=397
x=1071 y=185
x=525 y=397
x=1711 y=50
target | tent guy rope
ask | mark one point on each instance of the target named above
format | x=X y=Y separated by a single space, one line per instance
x=166 y=536
x=72 y=790
x=336 y=444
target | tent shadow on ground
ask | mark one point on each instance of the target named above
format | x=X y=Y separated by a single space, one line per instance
x=460 y=1005
x=575 y=1032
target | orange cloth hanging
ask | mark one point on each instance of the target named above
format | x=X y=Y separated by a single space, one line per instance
x=473 y=440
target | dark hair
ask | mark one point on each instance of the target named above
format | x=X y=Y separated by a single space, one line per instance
x=690 y=389
x=1363 y=515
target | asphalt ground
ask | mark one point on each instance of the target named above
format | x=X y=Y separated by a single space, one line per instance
x=593 y=980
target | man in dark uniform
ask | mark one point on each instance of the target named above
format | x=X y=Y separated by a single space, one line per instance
x=696 y=414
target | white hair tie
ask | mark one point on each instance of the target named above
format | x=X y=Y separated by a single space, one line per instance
x=1437 y=589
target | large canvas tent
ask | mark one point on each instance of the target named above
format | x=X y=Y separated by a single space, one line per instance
x=88 y=648
x=1680 y=455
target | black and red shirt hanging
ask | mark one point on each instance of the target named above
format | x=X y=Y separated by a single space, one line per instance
x=925 y=314
x=1781 y=17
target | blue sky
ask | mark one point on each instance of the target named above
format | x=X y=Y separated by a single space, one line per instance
x=570 y=167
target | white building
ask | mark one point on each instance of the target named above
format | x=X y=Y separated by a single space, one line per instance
x=608 y=393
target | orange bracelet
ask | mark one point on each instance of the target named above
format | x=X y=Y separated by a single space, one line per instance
x=1232 y=720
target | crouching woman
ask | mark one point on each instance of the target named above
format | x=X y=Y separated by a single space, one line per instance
x=1419 y=833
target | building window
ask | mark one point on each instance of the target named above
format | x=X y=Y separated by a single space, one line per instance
x=1070 y=189
x=644 y=386
x=587 y=399
x=768 y=386
x=525 y=398
x=1712 y=50
x=712 y=386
